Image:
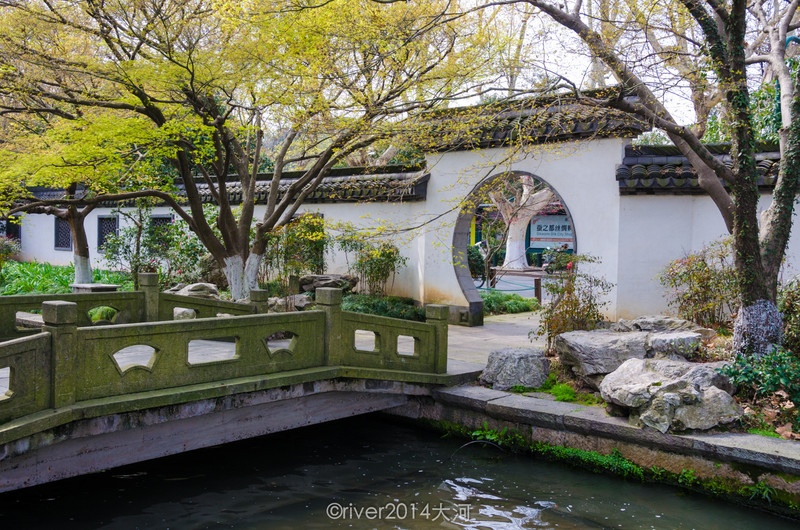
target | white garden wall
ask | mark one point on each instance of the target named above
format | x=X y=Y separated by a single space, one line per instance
x=634 y=235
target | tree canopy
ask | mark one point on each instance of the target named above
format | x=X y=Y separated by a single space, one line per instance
x=113 y=93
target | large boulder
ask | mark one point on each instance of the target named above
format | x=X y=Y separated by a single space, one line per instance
x=676 y=345
x=661 y=323
x=198 y=290
x=516 y=366
x=592 y=354
x=312 y=282
x=677 y=395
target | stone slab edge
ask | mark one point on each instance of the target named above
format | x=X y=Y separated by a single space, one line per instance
x=751 y=449
x=50 y=418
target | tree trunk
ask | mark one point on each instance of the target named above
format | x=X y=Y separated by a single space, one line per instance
x=516 y=246
x=517 y=215
x=80 y=248
x=234 y=272
x=251 y=271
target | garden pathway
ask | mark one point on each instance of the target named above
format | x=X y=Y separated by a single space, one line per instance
x=473 y=345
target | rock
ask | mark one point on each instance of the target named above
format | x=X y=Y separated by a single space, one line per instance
x=676 y=395
x=676 y=345
x=282 y=304
x=661 y=323
x=599 y=352
x=182 y=313
x=198 y=290
x=302 y=301
x=210 y=271
x=757 y=328
x=277 y=304
x=312 y=282
x=516 y=366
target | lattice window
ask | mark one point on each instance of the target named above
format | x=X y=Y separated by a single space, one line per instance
x=106 y=227
x=11 y=229
x=157 y=221
x=63 y=237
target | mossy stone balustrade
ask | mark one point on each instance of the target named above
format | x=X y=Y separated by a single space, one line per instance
x=72 y=369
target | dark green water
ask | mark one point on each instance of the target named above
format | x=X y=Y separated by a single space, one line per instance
x=363 y=473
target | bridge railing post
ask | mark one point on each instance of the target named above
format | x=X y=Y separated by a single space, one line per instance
x=148 y=284
x=438 y=315
x=260 y=299
x=60 y=319
x=329 y=300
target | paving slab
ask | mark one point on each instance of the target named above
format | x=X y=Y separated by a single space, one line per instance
x=472 y=397
x=473 y=344
x=764 y=451
x=537 y=412
x=595 y=421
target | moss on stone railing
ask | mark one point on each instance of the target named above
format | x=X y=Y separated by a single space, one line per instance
x=129 y=306
x=70 y=367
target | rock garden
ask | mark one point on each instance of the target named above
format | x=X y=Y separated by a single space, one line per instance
x=662 y=373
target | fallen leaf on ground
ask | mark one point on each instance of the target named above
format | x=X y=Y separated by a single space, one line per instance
x=785 y=431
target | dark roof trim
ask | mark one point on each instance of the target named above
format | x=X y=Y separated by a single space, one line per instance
x=360 y=184
x=544 y=119
x=651 y=170
x=369 y=187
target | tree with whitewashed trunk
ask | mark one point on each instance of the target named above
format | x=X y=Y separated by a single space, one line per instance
x=205 y=79
x=530 y=197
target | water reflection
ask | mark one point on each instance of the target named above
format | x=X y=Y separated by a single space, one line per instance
x=413 y=477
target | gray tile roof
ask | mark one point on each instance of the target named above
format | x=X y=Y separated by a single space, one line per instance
x=660 y=169
x=538 y=120
x=376 y=184
x=397 y=186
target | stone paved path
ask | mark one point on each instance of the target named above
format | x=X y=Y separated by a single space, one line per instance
x=473 y=345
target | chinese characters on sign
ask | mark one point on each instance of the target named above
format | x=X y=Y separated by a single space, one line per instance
x=550 y=230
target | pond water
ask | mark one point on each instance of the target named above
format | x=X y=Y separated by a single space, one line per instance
x=367 y=472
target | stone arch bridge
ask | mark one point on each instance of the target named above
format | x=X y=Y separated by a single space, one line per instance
x=78 y=398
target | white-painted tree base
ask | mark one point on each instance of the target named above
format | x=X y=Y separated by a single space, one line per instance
x=83 y=269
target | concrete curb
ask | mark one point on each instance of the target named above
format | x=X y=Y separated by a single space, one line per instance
x=770 y=453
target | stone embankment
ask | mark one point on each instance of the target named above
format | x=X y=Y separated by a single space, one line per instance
x=732 y=461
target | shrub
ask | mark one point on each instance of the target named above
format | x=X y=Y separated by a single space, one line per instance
x=789 y=305
x=475 y=262
x=576 y=299
x=296 y=248
x=275 y=288
x=702 y=286
x=9 y=247
x=37 y=278
x=375 y=262
x=387 y=306
x=141 y=245
x=498 y=302
x=102 y=312
x=759 y=377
